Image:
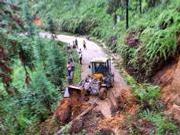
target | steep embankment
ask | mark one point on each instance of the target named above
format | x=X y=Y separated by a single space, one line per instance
x=169 y=80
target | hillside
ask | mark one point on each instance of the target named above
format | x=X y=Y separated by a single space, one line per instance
x=142 y=37
x=150 y=41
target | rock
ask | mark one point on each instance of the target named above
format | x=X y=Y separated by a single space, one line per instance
x=99 y=114
x=132 y=39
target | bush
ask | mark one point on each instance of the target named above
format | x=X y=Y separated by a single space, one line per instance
x=163 y=125
x=147 y=94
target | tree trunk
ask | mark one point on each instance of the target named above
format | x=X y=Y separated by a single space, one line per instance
x=140 y=6
x=127 y=14
x=152 y=3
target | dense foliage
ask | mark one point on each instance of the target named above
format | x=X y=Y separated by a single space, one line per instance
x=32 y=71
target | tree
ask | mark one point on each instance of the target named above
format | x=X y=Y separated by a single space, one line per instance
x=55 y=65
x=113 y=5
x=51 y=27
x=127 y=14
x=140 y=6
x=152 y=3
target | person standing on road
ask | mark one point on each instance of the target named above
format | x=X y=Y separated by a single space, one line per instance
x=84 y=44
x=69 y=68
x=76 y=43
x=80 y=58
x=70 y=73
x=72 y=64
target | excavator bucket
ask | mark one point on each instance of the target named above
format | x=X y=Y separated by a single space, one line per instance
x=72 y=91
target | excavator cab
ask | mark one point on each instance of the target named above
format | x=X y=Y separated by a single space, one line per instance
x=101 y=70
x=101 y=65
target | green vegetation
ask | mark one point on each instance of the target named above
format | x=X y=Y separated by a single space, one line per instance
x=32 y=72
x=147 y=94
x=163 y=125
x=148 y=44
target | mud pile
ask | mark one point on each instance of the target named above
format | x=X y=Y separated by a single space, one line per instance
x=70 y=108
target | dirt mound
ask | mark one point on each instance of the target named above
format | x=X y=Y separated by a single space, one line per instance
x=169 y=80
x=88 y=122
x=63 y=112
x=70 y=108
x=116 y=122
x=126 y=100
x=38 y=22
x=112 y=123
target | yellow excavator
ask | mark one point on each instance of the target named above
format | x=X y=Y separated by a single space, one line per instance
x=98 y=82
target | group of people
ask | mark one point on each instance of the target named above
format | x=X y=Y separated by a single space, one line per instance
x=70 y=64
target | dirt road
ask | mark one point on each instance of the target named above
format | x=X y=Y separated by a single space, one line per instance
x=108 y=105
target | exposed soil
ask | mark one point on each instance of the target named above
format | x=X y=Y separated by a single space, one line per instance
x=109 y=114
x=168 y=79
